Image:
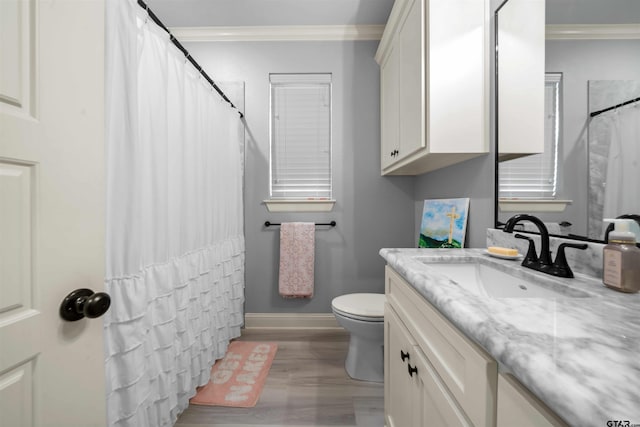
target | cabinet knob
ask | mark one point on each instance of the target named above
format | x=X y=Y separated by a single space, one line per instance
x=412 y=369
x=404 y=355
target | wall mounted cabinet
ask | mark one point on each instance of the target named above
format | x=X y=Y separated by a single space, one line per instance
x=434 y=76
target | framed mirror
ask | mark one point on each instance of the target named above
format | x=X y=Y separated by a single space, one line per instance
x=568 y=113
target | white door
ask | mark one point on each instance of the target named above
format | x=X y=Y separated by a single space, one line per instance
x=51 y=210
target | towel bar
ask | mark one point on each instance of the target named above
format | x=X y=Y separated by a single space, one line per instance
x=332 y=223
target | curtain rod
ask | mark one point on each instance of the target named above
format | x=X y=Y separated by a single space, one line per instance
x=631 y=101
x=187 y=55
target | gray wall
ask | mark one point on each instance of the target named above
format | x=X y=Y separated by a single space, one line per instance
x=472 y=179
x=372 y=212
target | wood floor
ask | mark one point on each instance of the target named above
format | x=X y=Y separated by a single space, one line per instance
x=307 y=386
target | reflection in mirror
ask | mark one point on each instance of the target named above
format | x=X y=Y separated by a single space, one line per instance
x=595 y=47
x=535 y=176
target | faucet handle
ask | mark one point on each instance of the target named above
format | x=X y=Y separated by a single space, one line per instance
x=531 y=257
x=560 y=266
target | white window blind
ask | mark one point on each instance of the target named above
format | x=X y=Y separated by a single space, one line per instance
x=300 y=136
x=536 y=176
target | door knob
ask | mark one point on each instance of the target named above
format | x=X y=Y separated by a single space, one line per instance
x=404 y=355
x=84 y=303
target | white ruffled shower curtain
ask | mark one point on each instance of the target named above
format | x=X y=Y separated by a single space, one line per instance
x=175 y=243
x=623 y=166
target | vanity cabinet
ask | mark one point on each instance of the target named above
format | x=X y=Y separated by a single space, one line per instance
x=433 y=374
x=434 y=84
x=436 y=376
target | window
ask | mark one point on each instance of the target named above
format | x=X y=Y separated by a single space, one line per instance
x=536 y=176
x=300 y=136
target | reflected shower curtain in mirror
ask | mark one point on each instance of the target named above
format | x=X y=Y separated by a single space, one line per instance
x=623 y=167
x=614 y=152
x=175 y=243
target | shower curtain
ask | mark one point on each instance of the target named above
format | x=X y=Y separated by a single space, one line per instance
x=623 y=166
x=175 y=243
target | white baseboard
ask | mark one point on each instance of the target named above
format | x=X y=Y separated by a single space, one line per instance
x=291 y=320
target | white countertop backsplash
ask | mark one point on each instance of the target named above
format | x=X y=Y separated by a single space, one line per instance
x=581 y=356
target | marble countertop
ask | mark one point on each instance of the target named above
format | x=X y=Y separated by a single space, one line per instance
x=581 y=356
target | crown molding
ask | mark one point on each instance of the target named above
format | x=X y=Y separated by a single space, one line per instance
x=593 y=32
x=279 y=33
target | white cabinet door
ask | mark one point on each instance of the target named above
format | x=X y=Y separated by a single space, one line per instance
x=436 y=405
x=517 y=406
x=414 y=394
x=412 y=80
x=400 y=396
x=51 y=210
x=389 y=107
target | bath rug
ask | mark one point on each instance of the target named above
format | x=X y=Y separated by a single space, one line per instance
x=237 y=379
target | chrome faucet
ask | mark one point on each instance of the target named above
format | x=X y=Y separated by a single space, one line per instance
x=543 y=262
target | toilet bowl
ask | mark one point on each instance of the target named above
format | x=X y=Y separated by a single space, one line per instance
x=363 y=316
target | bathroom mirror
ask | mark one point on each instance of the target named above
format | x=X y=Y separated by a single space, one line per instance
x=557 y=62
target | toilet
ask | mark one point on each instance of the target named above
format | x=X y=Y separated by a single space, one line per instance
x=363 y=316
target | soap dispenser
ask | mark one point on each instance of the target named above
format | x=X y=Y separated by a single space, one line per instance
x=621 y=258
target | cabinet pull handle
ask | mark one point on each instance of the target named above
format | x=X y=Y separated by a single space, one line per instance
x=412 y=369
x=404 y=355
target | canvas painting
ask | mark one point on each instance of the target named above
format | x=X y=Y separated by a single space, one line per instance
x=444 y=223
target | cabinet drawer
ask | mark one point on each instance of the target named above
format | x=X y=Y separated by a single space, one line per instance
x=517 y=406
x=467 y=370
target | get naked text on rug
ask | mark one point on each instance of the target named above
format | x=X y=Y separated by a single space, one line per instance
x=237 y=379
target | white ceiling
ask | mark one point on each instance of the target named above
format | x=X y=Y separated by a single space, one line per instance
x=204 y=13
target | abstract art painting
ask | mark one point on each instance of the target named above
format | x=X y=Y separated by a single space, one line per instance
x=444 y=223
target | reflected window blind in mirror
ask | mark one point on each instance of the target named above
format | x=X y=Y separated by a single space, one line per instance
x=536 y=176
x=300 y=136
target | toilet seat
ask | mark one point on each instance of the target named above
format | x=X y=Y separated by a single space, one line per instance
x=365 y=307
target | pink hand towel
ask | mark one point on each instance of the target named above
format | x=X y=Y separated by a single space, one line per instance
x=297 y=242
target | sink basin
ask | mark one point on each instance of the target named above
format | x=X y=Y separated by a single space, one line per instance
x=486 y=280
